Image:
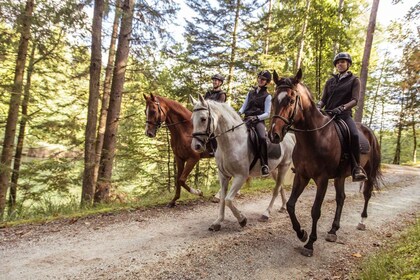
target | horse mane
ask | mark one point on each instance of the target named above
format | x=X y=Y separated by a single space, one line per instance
x=175 y=105
x=229 y=114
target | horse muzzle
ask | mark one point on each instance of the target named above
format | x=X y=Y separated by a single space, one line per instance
x=198 y=145
x=275 y=137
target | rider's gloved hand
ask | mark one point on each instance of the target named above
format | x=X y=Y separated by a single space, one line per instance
x=252 y=119
x=338 y=110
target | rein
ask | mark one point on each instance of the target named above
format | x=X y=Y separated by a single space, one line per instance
x=289 y=122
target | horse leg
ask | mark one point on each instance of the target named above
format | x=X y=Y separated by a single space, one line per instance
x=367 y=194
x=340 y=196
x=180 y=167
x=322 y=185
x=182 y=180
x=224 y=182
x=237 y=183
x=299 y=184
x=279 y=176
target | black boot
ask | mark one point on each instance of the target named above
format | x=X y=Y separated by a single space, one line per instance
x=265 y=171
x=358 y=173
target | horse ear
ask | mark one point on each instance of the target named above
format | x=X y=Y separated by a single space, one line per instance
x=299 y=75
x=193 y=100
x=202 y=100
x=145 y=97
x=275 y=77
x=152 y=97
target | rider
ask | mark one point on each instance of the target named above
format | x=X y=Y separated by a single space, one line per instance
x=341 y=94
x=217 y=94
x=257 y=107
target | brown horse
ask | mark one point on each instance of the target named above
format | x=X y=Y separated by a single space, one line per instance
x=177 y=118
x=318 y=154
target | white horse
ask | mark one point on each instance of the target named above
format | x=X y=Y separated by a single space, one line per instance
x=234 y=154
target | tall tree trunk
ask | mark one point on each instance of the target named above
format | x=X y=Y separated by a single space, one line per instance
x=397 y=155
x=15 y=98
x=88 y=188
x=21 y=135
x=233 y=49
x=382 y=122
x=267 y=33
x=106 y=90
x=110 y=137
x=375 y=97
x=365 y=62
x=413 y=123
x=340 y=18
x=302 y=36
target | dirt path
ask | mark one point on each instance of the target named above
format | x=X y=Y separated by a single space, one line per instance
x=175 y=243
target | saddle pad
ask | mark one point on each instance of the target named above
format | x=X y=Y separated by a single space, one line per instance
x=343 y=134
x=273 y=150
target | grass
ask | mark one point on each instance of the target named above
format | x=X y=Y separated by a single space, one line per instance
x=50 y=210
x=399 y=260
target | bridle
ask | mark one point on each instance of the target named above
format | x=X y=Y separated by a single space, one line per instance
x=208 y=132
x=159 y=122
x=291 y=120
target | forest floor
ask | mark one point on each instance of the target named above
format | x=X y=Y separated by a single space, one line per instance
x=162 y=243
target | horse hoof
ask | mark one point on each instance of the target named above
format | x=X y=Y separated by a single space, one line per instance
x=331 y=237
x=171 y=204
x=307 y=252
x=304 y=237
x=215 y=200
x=263 y=218
x=282 y=210
x=243 y=222
x=361 y=226
x=215 y=227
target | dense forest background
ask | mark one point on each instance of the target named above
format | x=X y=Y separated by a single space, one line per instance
x=66 y=64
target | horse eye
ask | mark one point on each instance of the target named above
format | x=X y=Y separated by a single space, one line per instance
x=203 y=119
x=292 y=101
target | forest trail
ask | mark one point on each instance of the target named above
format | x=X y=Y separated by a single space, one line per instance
x=163 y=243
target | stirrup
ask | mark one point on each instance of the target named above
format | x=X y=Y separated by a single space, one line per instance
x=265 y=171
x=359 y=174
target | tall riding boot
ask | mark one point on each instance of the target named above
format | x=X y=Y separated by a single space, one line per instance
x=265 y=171
x=358 y=173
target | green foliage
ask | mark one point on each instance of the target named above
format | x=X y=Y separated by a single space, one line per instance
x=401 y=260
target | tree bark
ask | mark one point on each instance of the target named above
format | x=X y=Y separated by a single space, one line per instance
x=365 y=62
x=267 y=34
x=21 y=135
x=15 y=99
x=302 y=35
x=107 y=90
x=108 y=150
x=233 y=49
x=88 y=188
x=397 y=155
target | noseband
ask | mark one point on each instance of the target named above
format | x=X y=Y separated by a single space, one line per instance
x=158 y=124
x=290 y=121
x=208 y=132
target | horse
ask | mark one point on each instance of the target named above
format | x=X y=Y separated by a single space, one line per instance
x=318 y=154
x=234 y=154
x=161 y=110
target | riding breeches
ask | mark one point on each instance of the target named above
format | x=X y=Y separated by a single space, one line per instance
x=354 y=137
x=260 y=129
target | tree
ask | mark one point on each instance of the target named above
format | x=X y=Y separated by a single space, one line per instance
x=88 y=188
x=110 y=137
x=365 y=62
x=9 y=136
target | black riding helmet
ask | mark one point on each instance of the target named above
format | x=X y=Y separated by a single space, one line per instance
x=218 y=77
x=265 y=74
x=342 y=55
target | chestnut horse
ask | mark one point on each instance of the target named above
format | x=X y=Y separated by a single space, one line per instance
x=318 y=154
x=164 y=111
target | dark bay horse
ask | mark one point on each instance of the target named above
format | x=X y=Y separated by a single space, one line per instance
x=161 y=110
x=318 y=154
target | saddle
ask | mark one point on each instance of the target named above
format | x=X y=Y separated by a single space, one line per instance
x=343 y=133
x=273 y=150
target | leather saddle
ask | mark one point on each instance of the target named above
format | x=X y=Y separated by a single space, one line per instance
x=343 y=133
x=273 y=150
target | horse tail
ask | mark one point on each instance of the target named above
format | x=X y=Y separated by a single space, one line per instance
x=374 y=164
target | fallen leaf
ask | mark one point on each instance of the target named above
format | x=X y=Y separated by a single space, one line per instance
x=356 y=255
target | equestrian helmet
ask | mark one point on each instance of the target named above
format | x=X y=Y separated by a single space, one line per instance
x=342 y=55
x=266 y=75
x=218 y=77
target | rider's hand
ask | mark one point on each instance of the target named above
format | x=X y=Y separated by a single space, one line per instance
x=338 y=110
x=252 y=119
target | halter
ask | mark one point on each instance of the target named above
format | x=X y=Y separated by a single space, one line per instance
x=290 y=121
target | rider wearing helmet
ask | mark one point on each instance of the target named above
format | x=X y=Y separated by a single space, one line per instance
x=257 y=107
x=341 y=93
x=216 y=93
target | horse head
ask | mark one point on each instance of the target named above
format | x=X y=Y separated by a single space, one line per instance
x=286 y=103
x=155 y=115
x=201 y=120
